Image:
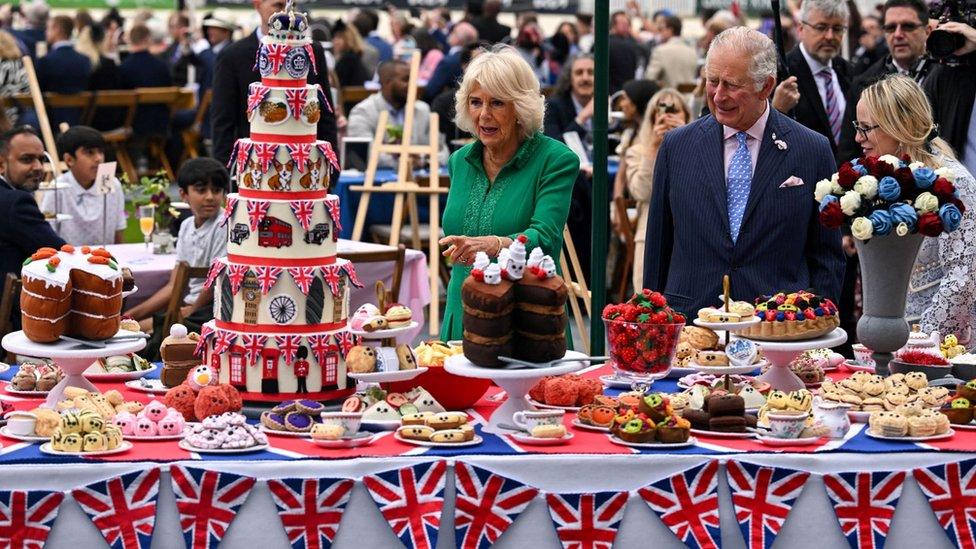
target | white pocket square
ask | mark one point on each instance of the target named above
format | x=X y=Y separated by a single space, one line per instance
x=793 y=181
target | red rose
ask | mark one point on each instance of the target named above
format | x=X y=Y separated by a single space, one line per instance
x=906 y=179
x=871 y=163
x=906 y=159
x=943 y=189
x=959 y=204
x=846 y=176
x=929 y=224
x=832 y=216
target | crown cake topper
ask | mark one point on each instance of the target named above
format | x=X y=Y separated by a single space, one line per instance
x=288 y=24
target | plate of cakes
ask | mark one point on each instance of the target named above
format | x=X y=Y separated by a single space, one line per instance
x=432 y=430
x=382 y=364
x=51 y=449
x=740 y=315
x=909 y=424
x=119 y=368
x=227 y=433
x=566 y=392
x=154 y=386
x=85 y=434
x=723 y=415
x=650 y=423
x=368 y=322
x=343 y=441
x=599 y=414
x=35 y=378
x=292 y=418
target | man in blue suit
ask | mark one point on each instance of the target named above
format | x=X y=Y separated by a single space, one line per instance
x=733 y=191
x=63 y=70
x=141 y=69
x=448 y=70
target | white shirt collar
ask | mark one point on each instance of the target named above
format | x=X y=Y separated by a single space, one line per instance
x=815 y=66
x=757 y=129
x=61 y=44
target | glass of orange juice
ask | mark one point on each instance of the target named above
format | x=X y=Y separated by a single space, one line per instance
x=147 y=221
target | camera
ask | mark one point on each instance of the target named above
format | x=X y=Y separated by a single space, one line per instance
x=942 y=43
x=667 y=108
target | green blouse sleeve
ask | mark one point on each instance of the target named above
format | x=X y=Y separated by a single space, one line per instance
x=552 y=198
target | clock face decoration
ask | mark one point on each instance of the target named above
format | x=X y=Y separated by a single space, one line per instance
x=250 y=295
x=282 y=309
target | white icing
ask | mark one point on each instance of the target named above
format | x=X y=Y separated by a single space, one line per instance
x=90 y=315
x=96 y=294
x=493 y=274
x=177 y=330
x=481 y=261
x=548 y=266
x=239 y=223
x=535 y=258
x=37 y=269
x=45 y=298
x=51 y=320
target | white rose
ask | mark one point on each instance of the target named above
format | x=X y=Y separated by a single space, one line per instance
x=822 y=189
x=835 y=188
x=915 y=165
x=850 y=202
x=894 y=161
x=901 y=229
x=927 y=202
x=835 y=178
x=867 y=186
x=947 y=173
x=862 y=228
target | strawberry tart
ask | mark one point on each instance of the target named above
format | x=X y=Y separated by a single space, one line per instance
x=793 y=316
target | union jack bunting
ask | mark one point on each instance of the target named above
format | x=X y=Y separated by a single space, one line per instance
x=236 y=274
x=333 y=207
x=229 y=210
x=321 y=346
x=215 y=269
x=864 y=504
x=350 y=270
x=256 y=94
x=276 y=55
x=310 y=509
x=267 y=277
x=253 y=345
x=295 y=98
x=763 y=497
x=688 y=504
x=256 y=210
x=301 y=153
x=326 y=149
x=303 y=210
x=486 y=505
x=265 y=153
x=951 y=491
x=346 y=341
x=303 y=277
x=224 y=340
x=26 y=518
x=288 y=345
x=587 y=521
x=331 y=274
x=243 y=148
x=205 y=332
x=123 y=508
x=207 y=502
x=411 y=500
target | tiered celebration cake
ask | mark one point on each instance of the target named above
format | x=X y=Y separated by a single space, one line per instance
x=281 y=296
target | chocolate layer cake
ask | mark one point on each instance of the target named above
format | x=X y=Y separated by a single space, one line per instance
x=487 y=312
x=540 y=318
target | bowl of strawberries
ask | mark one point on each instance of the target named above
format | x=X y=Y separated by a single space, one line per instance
x=642 y=334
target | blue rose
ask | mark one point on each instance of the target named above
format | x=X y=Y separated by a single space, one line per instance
x=827 y=200
x=881 y=221
x=951 y=217
x=924 y=177
x=888 y=188
x=859 y=168
x=904 y=213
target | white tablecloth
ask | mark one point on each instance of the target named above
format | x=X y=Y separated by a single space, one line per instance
x=153 y=271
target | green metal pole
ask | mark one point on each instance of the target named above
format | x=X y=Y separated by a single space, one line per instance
x=601 y=207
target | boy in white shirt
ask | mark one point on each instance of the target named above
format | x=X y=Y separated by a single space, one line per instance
x=95 y=219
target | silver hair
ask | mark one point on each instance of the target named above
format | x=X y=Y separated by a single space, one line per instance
x=752 y=44
x=829 y=8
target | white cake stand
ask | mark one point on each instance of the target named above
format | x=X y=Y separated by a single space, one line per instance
x=516 y=384
x=73 y=358
x=781 y=353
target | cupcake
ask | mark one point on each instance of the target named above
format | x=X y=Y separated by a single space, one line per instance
x=921 y=426
x=959 y=411
x=673 y=430
x=656 y=406
x=635 y=430
x=941 y=422
x=808 y=369
x=873 y=404
x=967 y=390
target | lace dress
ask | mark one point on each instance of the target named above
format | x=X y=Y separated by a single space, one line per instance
x=942 y=289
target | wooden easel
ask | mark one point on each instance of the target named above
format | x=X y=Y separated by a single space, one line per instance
x=42 y=120
x=576 y=284
x=405 y=189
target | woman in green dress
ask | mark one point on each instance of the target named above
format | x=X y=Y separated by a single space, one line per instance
x=512 y=180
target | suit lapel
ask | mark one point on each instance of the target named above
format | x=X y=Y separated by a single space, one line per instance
x=712 y=149
x=809 y=91
x=770 y=158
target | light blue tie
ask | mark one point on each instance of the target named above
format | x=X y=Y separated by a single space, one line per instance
x=740 y=180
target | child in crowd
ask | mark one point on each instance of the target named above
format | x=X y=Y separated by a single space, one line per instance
x=203 y=183
x=95 y=218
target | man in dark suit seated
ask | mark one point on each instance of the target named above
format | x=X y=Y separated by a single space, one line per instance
x=36 y=14
x=733 y=191
x=448 y=71
x=235 y=71
x=62 y=70
x=22 y=226
x=141 y=69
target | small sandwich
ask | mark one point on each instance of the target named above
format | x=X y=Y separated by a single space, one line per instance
x=398 y=316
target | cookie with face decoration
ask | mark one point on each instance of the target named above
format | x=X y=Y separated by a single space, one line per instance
x=416 y=432
x=91 y=422
x=113 y=437
x=70 y=423
x=93 y=442
x=72 y=442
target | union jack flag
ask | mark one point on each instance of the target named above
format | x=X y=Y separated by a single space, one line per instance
x=288 y=345
x=346 y=341
x=321 y=346
x=229 y=210
x=311 y=509
x=301 y=153
x=326 y=149
x=276 y=54
x=303 y=210
x=296 y=101
x=951 y=491
x=236 y=274
x=333 y=206
x=256 y=210
x=208 y=502
x=411 y=500
x=267 y=277
x=763 y=497
x=351 y=272
x=224 y=340
x=688 y=504
x=256 y=94
x=123 y=508
x=265 y=153
x=303 y=277
x=587 y=521
x=215 y=269
x=253 y=345
x=205 y=332
x=26 y=518
x=243 y=148
x=864 y=504
x=486 y=505
x=331 y=274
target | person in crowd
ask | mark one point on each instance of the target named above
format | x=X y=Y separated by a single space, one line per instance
x=569 y=31
x=871 y=45
x=584 y=29
x=430 y=53
x=367 y=22
x=141 y=69
x=744 y=205
x=203 y=183
x=347 y=46
x=570 y=107
x=673 y=62
x=820 y=76
x=96 y=218
x=36 y=16
x=394 y=85
x=91 y=44
x=13 y=79
x=667 y=110
x=906 y=28
x=235 y=71
x=113 y=23
x=443 y=104
x=23 y=229
x=448 y=70
x=489 y=29
x=400 y=30
x=512 y=180
x=953 y=93
x=177 y=54
x=624 y=52
x=529 y=45
x=63 y=69
x=894 y=117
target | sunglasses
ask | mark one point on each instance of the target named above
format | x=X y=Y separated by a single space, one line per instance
x=892 y=28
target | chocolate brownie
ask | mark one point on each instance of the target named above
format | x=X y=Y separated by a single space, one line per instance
x=698 y=418
x=727 y=424
x=725 y=405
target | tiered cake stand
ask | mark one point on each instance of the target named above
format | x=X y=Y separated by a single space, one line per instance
x=781 y=353
x=516 y=384
x=380 y=338
x=73 y=358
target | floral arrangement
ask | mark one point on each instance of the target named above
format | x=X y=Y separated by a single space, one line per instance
x=643 y=333
x=880 y=196
x=153 y=190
